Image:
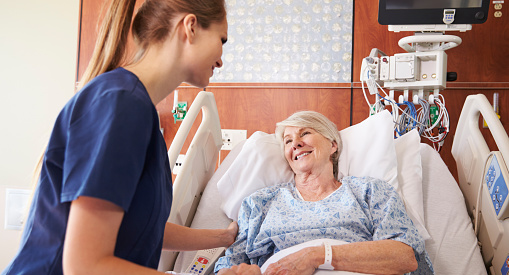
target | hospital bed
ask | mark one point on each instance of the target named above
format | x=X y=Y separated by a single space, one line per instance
x=450 y=238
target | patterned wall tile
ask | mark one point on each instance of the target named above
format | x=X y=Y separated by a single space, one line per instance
x=290 y=41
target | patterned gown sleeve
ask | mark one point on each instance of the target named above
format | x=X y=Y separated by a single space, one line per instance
x=390 y=221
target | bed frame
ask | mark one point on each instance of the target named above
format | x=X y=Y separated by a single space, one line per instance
x=471 y=153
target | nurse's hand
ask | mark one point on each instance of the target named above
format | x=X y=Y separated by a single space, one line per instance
x=242 y=269
x=231 y=233
x=302 y=262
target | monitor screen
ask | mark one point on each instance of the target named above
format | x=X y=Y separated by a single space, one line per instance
x=424 y=12
x=431 y=4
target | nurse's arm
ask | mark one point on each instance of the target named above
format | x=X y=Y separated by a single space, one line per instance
x=91 y=237
x=181 y=238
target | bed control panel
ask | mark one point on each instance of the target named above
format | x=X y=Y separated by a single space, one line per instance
x=204 y=261
x=505 y=267
x=496 y=179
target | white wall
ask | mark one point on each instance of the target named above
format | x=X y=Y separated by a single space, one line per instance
x=38 y=47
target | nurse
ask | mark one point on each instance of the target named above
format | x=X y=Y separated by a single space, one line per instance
x=104 y=192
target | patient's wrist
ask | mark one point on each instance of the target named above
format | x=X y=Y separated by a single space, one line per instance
x=315 y=255
x=327 y=263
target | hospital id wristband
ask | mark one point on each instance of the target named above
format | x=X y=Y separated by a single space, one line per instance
x=327 y=264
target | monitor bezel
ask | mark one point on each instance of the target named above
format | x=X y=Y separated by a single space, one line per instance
x=430 y=16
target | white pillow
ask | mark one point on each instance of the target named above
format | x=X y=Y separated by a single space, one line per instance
x=368 y=150
x=259 y=164
x=408 y=150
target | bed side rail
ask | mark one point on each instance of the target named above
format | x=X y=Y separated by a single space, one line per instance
x=469 y=148
x=198 y=166
x=471 y=152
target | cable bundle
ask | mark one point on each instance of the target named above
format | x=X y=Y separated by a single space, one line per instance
x=407 y=121
x=423 y=115
x=434 y=127
x=437 y=132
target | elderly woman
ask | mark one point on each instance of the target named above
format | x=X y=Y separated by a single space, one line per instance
x=366 y=213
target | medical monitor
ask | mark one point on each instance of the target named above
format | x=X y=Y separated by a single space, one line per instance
x=432 y=12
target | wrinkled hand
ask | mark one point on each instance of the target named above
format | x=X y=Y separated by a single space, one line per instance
x=242 y=269
x=231 y=232
x=293 y=264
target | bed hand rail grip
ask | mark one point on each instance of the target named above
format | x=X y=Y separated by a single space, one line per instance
x=473 y=107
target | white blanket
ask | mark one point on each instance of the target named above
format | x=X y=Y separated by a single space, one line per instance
x=285 y=252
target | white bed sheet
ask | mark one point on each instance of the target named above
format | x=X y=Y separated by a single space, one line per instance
x=453 y=248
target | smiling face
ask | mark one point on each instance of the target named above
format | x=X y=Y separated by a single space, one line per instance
x=206 y=54
x=307 y=151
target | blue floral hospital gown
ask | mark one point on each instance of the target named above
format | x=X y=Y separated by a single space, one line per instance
x=362 y=209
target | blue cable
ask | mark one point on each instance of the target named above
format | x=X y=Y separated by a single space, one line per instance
x=408 y=119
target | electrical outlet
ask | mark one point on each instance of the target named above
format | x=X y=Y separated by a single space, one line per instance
x=178 y=164
x=16 y=208
x=232 y=138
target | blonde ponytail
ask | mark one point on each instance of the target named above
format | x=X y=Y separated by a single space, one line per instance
x=110 y=47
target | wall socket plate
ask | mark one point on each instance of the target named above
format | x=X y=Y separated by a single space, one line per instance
x=232 y=138
x=16 y=208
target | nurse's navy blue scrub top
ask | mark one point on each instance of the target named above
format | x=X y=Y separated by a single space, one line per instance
x=105 y=144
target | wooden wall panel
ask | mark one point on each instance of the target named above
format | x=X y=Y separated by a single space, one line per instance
x=91 y=13
x=259 y=108
x=482 y=56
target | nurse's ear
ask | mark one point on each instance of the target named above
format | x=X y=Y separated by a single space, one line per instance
x=190 y=27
